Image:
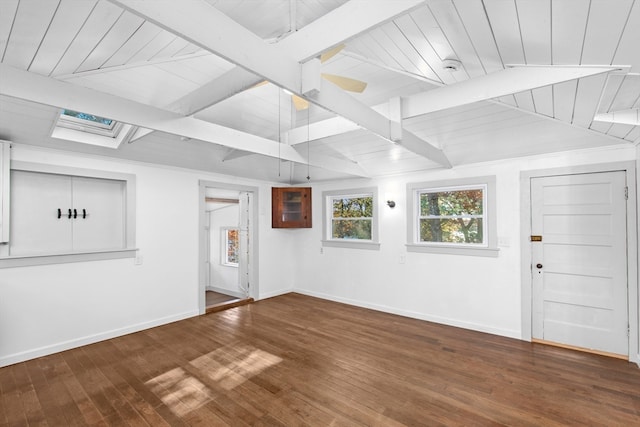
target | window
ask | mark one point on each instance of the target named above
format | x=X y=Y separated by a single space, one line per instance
x=452 y=215
x=350 y=218
x=230 y=252
x=89 y=129
x=456 y=216
x=88 y=123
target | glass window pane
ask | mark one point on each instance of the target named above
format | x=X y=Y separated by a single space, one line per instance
x=449 y=203
x=458 y=230
x=353 y=207
x=351 y=229
x=88 y=117
x=232 y=246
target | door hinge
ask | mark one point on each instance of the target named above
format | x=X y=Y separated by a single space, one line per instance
x=626 y=193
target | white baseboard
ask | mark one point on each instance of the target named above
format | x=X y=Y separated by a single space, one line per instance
x=415 y=315
x=236 y=294
x=90 y=339
x=276 y=293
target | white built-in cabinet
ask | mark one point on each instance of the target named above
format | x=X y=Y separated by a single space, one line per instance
x=60 y=214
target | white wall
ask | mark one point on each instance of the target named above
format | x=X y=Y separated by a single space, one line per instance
x=223 y=277
x=44 y=309
x=472 y=292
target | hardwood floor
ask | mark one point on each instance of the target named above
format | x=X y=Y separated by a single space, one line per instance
x=215 y=298
x=294 y=360
x=215 y=301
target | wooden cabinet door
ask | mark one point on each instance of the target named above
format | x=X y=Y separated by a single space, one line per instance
x=99 y=214
x=291 y=207
x=35 y=226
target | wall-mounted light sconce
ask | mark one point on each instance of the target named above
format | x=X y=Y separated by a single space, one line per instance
x=391 y=204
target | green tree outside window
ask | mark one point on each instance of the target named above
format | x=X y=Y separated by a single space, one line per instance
x=352 y=217
x=452 y=216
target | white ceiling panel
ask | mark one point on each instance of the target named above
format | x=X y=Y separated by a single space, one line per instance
x=29 y=26
x=568 y=28
x=604 y=30
x=100 y=45
x=126 y=25
x=65 y=25
x=133 y=45
x=93 y=30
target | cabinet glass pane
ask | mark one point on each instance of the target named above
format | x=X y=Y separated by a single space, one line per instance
x=292 y=206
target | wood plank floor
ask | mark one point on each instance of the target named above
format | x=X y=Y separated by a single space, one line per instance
x=214 y=298
x=294 y=360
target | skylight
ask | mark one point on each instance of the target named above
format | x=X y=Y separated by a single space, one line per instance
x=88 y=123
x=89 y=117
x=89 y=129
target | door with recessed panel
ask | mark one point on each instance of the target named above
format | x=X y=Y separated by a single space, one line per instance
x=579 y=261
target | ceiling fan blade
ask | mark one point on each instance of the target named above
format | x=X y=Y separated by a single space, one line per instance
x=262 y=83
x=299 y=103
x=331 y=53
x=352 y=85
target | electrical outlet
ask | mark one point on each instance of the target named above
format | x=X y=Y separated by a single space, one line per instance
x=321 y=250
x=138 y=260
x=403 y=259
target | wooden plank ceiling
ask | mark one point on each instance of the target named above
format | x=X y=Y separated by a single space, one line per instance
x=174 y=60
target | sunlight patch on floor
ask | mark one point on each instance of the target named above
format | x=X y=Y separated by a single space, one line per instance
x=230 y=366
x=226 y=367
x=180 y=391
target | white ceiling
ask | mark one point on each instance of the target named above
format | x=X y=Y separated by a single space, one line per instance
x=169 y=56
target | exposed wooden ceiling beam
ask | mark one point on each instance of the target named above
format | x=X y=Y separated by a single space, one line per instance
x=233 y=81
x=346 y=21
x=626 y=117
x=505 y=82
x=205 y=26
x=45 y=90
x=341 y=24
x=494 y=85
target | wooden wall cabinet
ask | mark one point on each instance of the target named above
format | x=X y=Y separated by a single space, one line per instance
x=291 y=207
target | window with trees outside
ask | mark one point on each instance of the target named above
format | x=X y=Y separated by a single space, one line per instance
x=231 y=246
x=350 y=218
x=453 y=217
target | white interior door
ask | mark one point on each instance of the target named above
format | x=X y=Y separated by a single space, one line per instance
x=579 y=267
x=244 y=242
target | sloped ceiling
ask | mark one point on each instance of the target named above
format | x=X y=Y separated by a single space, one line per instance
x=532 y=77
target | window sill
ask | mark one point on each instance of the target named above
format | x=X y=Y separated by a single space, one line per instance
x=46 y=259
x=352 y=244
x=452 y=250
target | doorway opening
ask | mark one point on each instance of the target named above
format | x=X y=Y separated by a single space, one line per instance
x=228 y=246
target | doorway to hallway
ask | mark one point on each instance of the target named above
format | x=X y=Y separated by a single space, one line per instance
x=228 y=245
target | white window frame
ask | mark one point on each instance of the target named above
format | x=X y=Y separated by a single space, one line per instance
x=327 y=209
x=224 y=234
x=489 y=248
x=88 y=132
